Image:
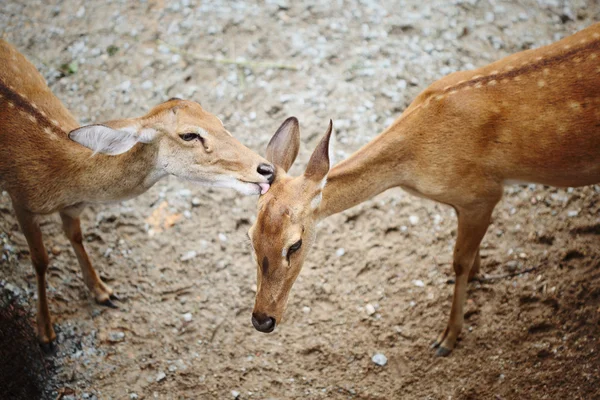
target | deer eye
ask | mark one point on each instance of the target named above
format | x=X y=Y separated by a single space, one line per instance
x=188 y=137
x=295 y=247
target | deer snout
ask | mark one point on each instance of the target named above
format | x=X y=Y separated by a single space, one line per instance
x=267 y=171
x=263 y=323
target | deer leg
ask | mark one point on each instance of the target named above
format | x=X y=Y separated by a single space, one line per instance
x=475 y=268
x=39 y=259
x=101 y=292
x=472 y=225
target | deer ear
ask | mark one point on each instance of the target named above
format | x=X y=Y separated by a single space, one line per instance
x=322 y=158
x=106 y=140
x=283 y=146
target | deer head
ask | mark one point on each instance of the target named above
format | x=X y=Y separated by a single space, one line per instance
x=189 y=143
x=284 y=230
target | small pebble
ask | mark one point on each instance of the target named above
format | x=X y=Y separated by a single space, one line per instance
x=413 y=219
x=188 y=256
x=161 y=376
x=196 y=202
x=340 y=252
x=235 y=394
x=187 y=317
x=370 y=309
x=115 y=337
x=512 y=265
x=55 y=250
x=305 y=309
x=125 y=86
x=418 y=283
x=379 y=359
x=13 y=289
x=147 y=85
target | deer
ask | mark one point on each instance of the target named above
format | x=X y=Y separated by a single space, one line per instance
x=50 y=164
x=533 y=116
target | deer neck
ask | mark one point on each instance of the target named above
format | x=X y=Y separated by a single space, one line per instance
x=114 y=178
x=374 y=168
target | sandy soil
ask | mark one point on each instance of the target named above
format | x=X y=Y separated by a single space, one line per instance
x=534 y=335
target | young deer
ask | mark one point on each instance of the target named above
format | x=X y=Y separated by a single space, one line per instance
x=531 y=117
x=48 y=164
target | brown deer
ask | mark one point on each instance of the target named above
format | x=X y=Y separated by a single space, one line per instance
x=49 y=164
x=532 y=117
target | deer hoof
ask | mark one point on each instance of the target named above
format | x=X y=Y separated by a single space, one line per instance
x=48 y=347
x=108 y=303
x=443 y=352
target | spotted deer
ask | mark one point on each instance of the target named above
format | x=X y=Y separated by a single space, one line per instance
x=48 y=163
x=531 y=117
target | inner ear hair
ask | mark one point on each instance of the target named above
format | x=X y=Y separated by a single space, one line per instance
x=318 y=165
x=104 y=139
x=283 y=147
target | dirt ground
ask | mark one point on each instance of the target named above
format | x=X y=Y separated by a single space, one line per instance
x=183 y=329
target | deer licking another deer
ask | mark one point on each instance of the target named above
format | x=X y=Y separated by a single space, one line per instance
x=531 y=117
x=49 y=164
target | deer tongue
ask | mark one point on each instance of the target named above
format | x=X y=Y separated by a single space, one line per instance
x=264 y=187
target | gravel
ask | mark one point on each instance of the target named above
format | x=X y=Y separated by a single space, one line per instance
x=379 y=359
x=190 y=255
x=360 y=64
x=160 y=376
x=370 y=309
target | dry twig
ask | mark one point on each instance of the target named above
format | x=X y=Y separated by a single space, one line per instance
x=241 y=63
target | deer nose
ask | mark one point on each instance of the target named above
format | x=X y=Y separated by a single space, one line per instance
x=267 y=171
x=262 y=323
